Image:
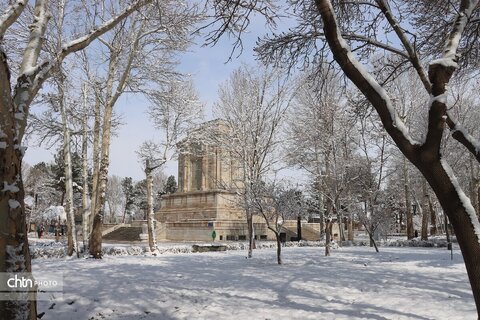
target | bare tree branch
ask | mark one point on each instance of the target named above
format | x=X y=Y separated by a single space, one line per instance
x=10 y=15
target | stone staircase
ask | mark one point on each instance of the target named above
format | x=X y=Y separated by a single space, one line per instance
x=128 y=234
x=309 y=233
x=290 y=232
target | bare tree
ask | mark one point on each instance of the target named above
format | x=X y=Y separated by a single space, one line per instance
x=115 y=198
x=321 y=142
x=31 y=73
x=425 y=155
x=276 y=203
x=253 y=104
x=140 y=60
x=149 y=155
x=307 y=141
x=173 y=113
x=326 y=25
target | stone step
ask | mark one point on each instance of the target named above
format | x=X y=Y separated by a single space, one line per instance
x=124 y=234
x=308 y=233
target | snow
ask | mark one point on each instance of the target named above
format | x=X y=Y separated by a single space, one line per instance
x=24 y=96
x=469 y=137
x=463 y=198
x=3 y=145
x=10 y=12
x=21 y=148
x=354 y=283
x=445 y=62
x=10 y=187
x=29 y=201
x=19 y=115
x=450 y=55
x=442 y=98
x=13 y=204
x=51 y=213
x=15 y=258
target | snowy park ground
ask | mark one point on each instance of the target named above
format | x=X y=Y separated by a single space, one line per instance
x=354 y=283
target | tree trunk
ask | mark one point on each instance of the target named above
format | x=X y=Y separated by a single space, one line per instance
x=96 y=234
x=85 y=176
x=67 y=156
x=321 y=213
x=474 y=184
x=424 y=212
x=328 y=236
x=152 y=242
x=95 y=243
x=14 y=249
x=426 y=156
x=96 y=161
x=462 y=217
x=478 y=199
x=71 y=230
x=350 y=228
x=299 y=228
x=372 y=239
x=250 y=233
x=279 y=248
x=341 y=233
x=433 y=216
x=408 y=204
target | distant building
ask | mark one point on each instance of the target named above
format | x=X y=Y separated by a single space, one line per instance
x=207 y=198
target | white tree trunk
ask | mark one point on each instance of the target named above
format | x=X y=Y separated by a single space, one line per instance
x=85 y=213
x=95 y=162
x=71 y=230
x=152 y=242
x=95 y=243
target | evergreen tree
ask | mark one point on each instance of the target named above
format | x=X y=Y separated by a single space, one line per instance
x=140 y=200
x=57 y=169
x=171 y=185
x=127 y=187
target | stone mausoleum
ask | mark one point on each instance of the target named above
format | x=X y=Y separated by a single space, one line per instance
x=209 y=184
x=206 y=199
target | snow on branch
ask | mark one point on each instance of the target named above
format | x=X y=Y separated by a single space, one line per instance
x=440 y=71
x=10 y=15
x=82 y=42
x=37 y=32
x=450 y=55
x=460 y=134
x=33 y=75
x=374 y=92
x=42 y=71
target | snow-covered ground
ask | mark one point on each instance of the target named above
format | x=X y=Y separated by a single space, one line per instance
x=354 y=283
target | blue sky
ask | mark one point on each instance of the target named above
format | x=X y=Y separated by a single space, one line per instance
x=208 y=68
